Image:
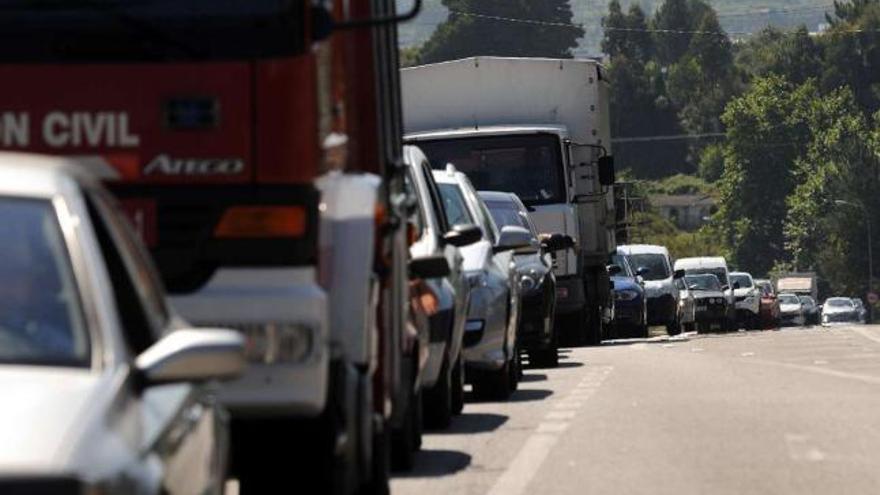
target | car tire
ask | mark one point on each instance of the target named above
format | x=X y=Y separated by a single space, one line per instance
x=515 y=370
x=458 y=386
x=494 y=384
x=545 y=358
x=438 y=400
x=673 y=328
x=380 y=465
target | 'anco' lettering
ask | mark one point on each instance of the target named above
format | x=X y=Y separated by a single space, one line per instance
x=166 y=165
x=74 y=129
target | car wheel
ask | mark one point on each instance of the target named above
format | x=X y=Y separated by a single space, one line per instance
x=673 y=328
x=458 y=386
x=546 y=358
x=380 y=466
x=438 y=400
x=494 y=384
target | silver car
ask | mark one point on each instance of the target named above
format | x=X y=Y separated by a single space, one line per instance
x=491 y=352
x=101 y=383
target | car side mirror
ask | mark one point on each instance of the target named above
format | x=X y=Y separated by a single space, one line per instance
x=725 y=288
x=193 y=355
x=429 y=267
x=678 y=274
x=513 y=238
x=642 y=271
x=463 y=235
x=606 y=171
x=613 y=270
x=557 y=242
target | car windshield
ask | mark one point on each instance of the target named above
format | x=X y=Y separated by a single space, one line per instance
x=839 y=302
x=41 y=318
x=703 y=283
x=457 y=212
x=656 y=264
x=529 y=166
x=789 y=299
x=623 y=263
x=745 y=282
x=126 y=30
x=507 y=214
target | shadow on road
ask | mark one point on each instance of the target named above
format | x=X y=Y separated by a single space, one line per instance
x=533 y=377
x=468 y=423
x=529 y=395
x=436 y=463
x=570 y=364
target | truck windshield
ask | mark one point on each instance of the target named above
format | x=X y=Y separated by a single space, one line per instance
x=529 y=166
x=149 y=30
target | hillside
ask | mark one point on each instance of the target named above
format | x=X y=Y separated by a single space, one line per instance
x=735 y=15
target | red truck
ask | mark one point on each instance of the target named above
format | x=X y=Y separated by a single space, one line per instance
x=256 y=147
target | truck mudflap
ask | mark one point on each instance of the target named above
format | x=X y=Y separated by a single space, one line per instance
x=283 y=314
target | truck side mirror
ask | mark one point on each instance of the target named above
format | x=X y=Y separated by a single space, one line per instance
x=606 y=171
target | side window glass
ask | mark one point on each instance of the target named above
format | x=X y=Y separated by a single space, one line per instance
x=435 y=199
x=134 y=313
x=417 y=218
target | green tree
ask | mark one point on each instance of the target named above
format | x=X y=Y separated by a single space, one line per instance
x=614 y=43
x=791 y=54
x=519 y=28
x=671 y=23
x=766 y=131
x=852 y=52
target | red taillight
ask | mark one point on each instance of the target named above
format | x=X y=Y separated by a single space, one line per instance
x=261 y=221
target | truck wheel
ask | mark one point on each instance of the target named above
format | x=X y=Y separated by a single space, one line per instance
x=380 y=465
x=404 y=443
x=438 y=400
x=458 y=386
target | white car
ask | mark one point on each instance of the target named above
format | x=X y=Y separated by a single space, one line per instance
x=714 y=265
x=840 y=311
x=101 y=381
x=748 y=300
x=791 y=310
x=491 y=351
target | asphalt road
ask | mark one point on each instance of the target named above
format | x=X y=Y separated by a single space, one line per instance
x=793 y=411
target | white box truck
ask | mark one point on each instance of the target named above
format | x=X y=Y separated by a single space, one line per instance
x=539 y=128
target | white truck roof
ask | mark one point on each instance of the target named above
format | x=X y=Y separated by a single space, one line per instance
x=705 y=262
x=490 y=130
x=475 y=92
x=631 y=249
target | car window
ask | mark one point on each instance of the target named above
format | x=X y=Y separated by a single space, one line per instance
x=436 y=202
x=457 y=212
x=41 y=316
x=139 y=295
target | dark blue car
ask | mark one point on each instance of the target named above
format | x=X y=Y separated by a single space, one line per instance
x=630 y=305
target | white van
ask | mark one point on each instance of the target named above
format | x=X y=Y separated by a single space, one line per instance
x=716 y=266
x=653 y=264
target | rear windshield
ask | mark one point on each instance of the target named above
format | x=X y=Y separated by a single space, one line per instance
x=41 y=319
x=506 y=214
x=721 y=273
x=839 y=303
x=656 y=264
x=745 y=282
x=132 y=30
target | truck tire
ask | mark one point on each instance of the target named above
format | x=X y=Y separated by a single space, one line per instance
x=458 y=386
x=438 y=400
x=404 y=440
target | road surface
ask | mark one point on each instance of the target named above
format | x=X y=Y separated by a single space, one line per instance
x=794 y=411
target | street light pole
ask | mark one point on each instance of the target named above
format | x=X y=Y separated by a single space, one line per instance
x=870 y=250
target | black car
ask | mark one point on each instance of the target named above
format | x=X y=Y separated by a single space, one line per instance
x=537 y=282
x=711 y=304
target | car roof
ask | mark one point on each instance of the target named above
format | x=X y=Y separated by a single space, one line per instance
x=631 y=249
x=31 y=175
x=705 y=262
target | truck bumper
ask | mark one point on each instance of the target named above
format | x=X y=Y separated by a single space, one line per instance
x=283 y=307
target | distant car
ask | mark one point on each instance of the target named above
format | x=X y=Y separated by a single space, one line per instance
x=863 y=312
x=769 y=312
x=659 y=283
x=687 y=306
x=102 y=381
x=714 y=265
x=791 y=310
x=630 y=303
x=748 y=300
x=839 y=311
x=534 y=266
x=712 y=307
x=811 y=310
x=491 y=349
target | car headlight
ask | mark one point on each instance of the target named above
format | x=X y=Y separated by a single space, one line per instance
x=626 y=295
x=270 y=343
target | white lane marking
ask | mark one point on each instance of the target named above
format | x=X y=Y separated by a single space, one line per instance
x=525 y=465
x=874 y=380
x=747 y=354
x=697 y=349
x=560 y=415
x=568 y=404
x=554 y=427
x=800 y=448
x=864 y=333
x=820 y=361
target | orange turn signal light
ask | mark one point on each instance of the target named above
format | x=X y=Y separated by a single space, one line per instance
x=262 y=221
